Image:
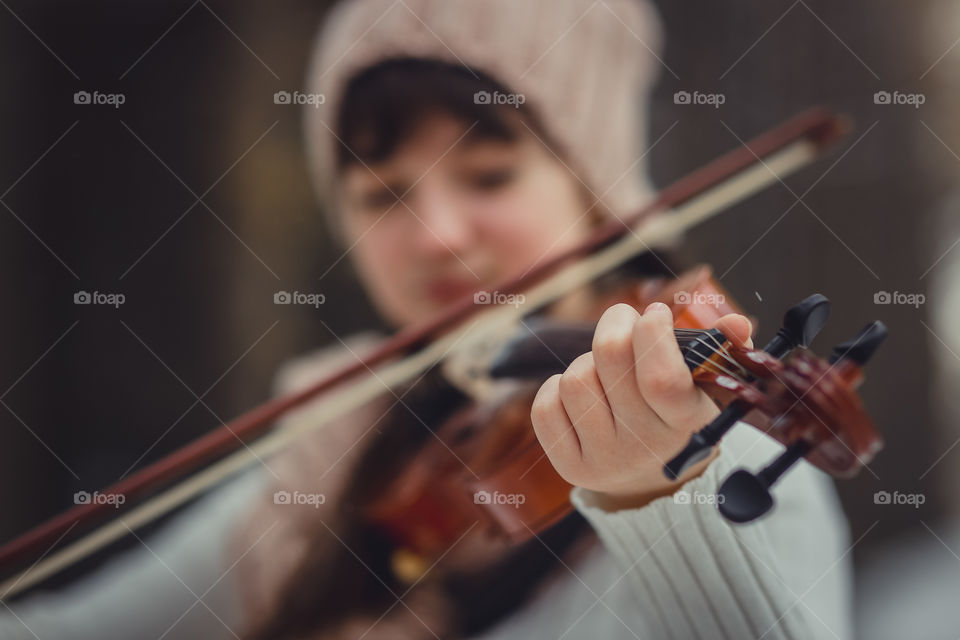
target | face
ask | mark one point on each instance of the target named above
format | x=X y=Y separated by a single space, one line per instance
x=446 y=215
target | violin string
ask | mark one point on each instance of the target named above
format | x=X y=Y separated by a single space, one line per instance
x=711 y=365
x=740 y=373
x=715 y=367
x=726 y=355
x=720 y=349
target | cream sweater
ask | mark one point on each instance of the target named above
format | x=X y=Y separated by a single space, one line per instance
x=672 y=569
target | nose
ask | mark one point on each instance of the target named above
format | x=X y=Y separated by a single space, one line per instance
x=443 y=226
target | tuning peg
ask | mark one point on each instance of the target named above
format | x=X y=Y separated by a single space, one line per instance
x=801 y=324
x=697 y=449
x=744 y=497
x=861 y=347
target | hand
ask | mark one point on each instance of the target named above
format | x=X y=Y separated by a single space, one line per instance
x=616 y=415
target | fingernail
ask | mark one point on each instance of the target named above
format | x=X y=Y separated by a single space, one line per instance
x=657 y=307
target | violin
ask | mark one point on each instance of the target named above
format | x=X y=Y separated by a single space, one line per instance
x=807 y=403
x=489 y=449
x=486 y=465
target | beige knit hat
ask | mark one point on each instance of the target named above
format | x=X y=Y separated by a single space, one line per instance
x=584 y=67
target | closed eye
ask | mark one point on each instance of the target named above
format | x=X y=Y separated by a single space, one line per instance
x=493 y=179
x=380 y=199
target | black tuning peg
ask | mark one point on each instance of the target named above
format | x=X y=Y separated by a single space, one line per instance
x=861 y=347
x=801 y=324
x=744 y=497
x=698 y=448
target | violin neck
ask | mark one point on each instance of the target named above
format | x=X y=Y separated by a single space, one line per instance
x=548 y=347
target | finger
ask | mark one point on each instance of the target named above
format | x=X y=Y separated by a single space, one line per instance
x=662 y=375
x=552 y=425
x=614 y=358
x=585 y=403
x=737 y=328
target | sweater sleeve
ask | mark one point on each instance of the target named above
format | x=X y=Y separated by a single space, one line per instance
x=191 y=577
x=177 y=583
x=695 y=575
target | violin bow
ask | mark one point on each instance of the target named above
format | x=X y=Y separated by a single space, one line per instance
x=238 y=444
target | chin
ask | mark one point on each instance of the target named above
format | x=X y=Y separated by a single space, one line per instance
x=407 y=314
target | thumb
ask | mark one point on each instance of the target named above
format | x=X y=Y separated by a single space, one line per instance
x=737 y=328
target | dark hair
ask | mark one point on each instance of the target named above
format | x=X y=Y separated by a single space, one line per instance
x=384 y=104
x=381 y=108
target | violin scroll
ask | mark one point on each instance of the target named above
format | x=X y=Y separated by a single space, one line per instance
x=745 y=496
x=801 y=324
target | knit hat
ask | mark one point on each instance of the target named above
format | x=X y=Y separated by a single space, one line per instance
x=584 y=67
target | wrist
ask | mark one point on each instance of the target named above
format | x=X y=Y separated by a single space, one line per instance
x=633 y=498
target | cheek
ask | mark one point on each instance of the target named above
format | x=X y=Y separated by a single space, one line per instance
x=539 y=218
x=383 y=265
x=376 y=258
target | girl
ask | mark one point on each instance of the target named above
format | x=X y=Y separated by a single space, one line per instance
x=459 y=143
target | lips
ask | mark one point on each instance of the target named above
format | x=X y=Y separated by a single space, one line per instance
x=450 y=289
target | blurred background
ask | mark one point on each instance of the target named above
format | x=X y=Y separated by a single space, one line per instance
x=183 y=200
